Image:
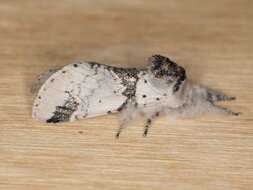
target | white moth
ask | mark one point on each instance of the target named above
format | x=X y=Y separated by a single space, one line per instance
x=89 y=89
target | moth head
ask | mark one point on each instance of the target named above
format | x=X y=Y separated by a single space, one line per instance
x=163 y=68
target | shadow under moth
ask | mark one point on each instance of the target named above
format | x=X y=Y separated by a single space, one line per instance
x=89 y=89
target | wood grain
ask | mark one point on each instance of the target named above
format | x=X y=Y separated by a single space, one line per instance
x=212 y=39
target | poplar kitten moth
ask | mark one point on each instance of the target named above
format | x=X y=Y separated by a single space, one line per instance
x=89 y=89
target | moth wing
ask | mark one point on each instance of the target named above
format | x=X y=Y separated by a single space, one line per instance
x=41 y=79
x=76 y=91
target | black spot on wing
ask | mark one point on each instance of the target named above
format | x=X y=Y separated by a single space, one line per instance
x=93 y=64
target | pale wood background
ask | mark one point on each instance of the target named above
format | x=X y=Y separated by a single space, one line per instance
x=212 y=39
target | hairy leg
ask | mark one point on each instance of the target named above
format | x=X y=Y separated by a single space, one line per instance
x=147 y=126
x=123 y=124
x=213 y=96
x=221 y=110
x=149 y=122
x=127 y=114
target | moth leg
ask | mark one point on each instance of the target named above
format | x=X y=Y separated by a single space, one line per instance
x=128 y=114
x=213 y=96
x=121 y=127
x=221 y=110
x=147 y=126
x=149 y=122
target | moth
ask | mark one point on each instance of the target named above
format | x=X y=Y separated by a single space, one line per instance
x=89 y=89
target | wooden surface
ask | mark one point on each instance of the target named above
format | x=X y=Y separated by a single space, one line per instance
x=213 y=40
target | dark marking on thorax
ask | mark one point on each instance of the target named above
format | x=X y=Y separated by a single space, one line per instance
x=182 y=77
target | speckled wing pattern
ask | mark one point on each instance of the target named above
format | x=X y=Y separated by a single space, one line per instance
x=83 y=89
x=88 y=89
